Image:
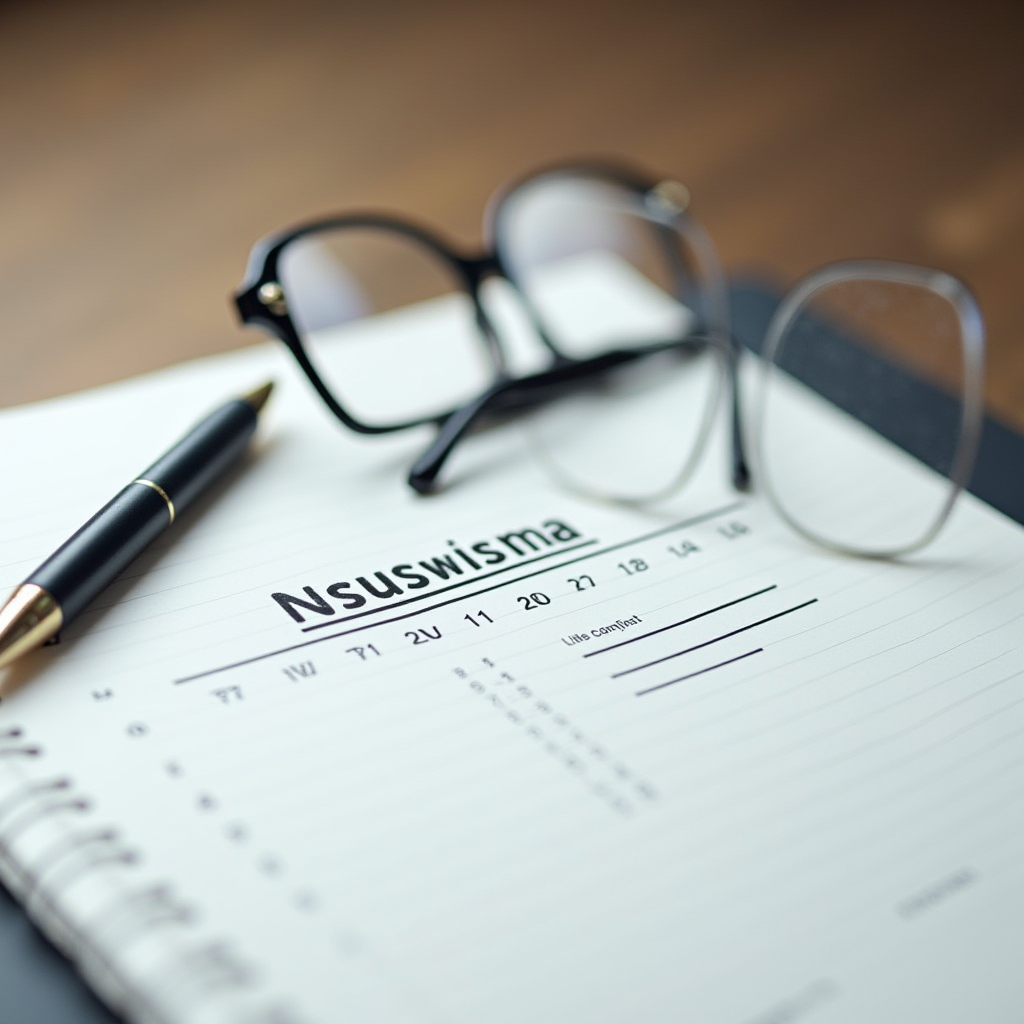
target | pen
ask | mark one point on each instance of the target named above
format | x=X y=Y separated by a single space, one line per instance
x=85 y=563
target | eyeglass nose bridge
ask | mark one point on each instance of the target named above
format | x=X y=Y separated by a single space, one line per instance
x=488 y=266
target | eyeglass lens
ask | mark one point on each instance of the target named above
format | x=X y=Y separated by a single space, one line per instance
x=386 y=322
x=601 y=272
x=833 y=477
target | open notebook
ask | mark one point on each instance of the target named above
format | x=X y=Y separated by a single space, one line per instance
x=334 y=752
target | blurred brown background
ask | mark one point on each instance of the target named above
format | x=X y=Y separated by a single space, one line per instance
x=144 y=147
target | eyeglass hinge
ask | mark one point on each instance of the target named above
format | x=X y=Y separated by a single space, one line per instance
x=271 y=295
x=669 y=197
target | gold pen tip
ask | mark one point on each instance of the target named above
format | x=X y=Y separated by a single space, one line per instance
x=30 y=617
x=258 y=398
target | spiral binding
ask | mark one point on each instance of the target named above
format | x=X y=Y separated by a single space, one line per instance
x=196 y=972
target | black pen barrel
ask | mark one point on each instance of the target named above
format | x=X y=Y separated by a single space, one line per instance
x=98 y=552
x=204 y=453
x=86 y=562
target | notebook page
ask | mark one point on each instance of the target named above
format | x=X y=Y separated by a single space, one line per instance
x=602 y=764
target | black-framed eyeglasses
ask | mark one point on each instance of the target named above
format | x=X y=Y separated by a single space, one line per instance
x=598 y=310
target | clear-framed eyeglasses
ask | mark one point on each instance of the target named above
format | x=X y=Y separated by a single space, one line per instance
x=628 y=314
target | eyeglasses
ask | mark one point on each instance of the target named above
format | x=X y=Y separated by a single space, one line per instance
x=619 y=335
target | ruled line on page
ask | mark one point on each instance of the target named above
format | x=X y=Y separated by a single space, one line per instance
x=714 y=640
x=700 y=672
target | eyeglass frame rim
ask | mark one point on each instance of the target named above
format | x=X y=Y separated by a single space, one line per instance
x=471 y=270
x=263 y=271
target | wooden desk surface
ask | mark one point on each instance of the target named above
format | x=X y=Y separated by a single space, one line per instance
x=143 y=148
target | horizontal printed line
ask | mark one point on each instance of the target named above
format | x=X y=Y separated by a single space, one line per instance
x=681 y=622
x=714 y=640
x=700 y=672
x=704 y=517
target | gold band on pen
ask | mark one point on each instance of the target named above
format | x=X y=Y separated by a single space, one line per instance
x=159 y=490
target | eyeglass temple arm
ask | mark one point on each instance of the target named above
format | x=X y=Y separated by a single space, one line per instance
x=509 y=394
x=423 y=475
x=517 y=393
x=740 y=465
